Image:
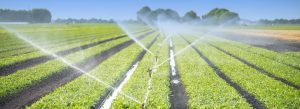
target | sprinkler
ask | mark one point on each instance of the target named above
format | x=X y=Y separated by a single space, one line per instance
x=156 y=58
x=130 y=35
x=154 y=68
x=143 y=106
x=151 y=70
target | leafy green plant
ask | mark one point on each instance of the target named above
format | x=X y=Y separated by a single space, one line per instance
x=203 y=87
x=84 y=92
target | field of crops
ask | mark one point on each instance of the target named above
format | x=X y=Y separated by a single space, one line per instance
x=84 y=66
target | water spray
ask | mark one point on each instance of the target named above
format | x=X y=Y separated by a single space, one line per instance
x=108 y=102
x=66 y=62
x=197 y=40
x=132 y=37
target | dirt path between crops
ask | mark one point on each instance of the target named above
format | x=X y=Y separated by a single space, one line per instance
x=288 y=83
x=118 y=81
x=45 y=86
x=9 y=69
x=244 y=93
x=276 y=40
x=177 y=97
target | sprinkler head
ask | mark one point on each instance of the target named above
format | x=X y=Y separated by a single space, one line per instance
x=159 y=44
x=151 y=70
x=143 y=106
x=156 y=58
x=154 y=70
x=149 y=88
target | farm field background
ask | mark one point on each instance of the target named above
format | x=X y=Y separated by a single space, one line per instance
x=213 y=71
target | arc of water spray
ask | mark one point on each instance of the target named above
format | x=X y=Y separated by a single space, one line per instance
x=67 y=62
x=107 y=104
x=196 y=41
x=180 y=51
x=132 y=37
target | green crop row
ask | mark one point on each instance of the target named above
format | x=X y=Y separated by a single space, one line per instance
x=21 y=79
x=137 y=86
x=203 y=86
x=49 y=34
x=272 y=93
x=294 y=54
x=84 y=92
x=63 y=42
x=294 y=61
x=14 y=59
x=159 y=93
x=46 y=37
x=10 y=40
x=22 y=57
x=47 y=42
x=269 y=65
x=58 y=46
x=17 y=43
x=9 y=44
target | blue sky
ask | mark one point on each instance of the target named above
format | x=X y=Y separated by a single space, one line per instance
x=126 y=9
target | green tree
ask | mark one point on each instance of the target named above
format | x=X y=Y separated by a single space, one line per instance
x=40 y=16
x=148 y=16
x=190 y=16
x=33 y=16
x=143 y=14
x=220 y=16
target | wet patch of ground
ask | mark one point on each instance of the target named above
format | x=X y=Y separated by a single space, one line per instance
x=178 y=97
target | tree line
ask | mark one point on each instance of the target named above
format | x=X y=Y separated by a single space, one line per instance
x=279 y=21
x=92 y=20
x=31 y=16
x=215 y=16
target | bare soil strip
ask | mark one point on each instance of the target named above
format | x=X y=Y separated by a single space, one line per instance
x=257 y=68
x=118 y=81
x=245 y=94
x=177 y=97
x=35 y=92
